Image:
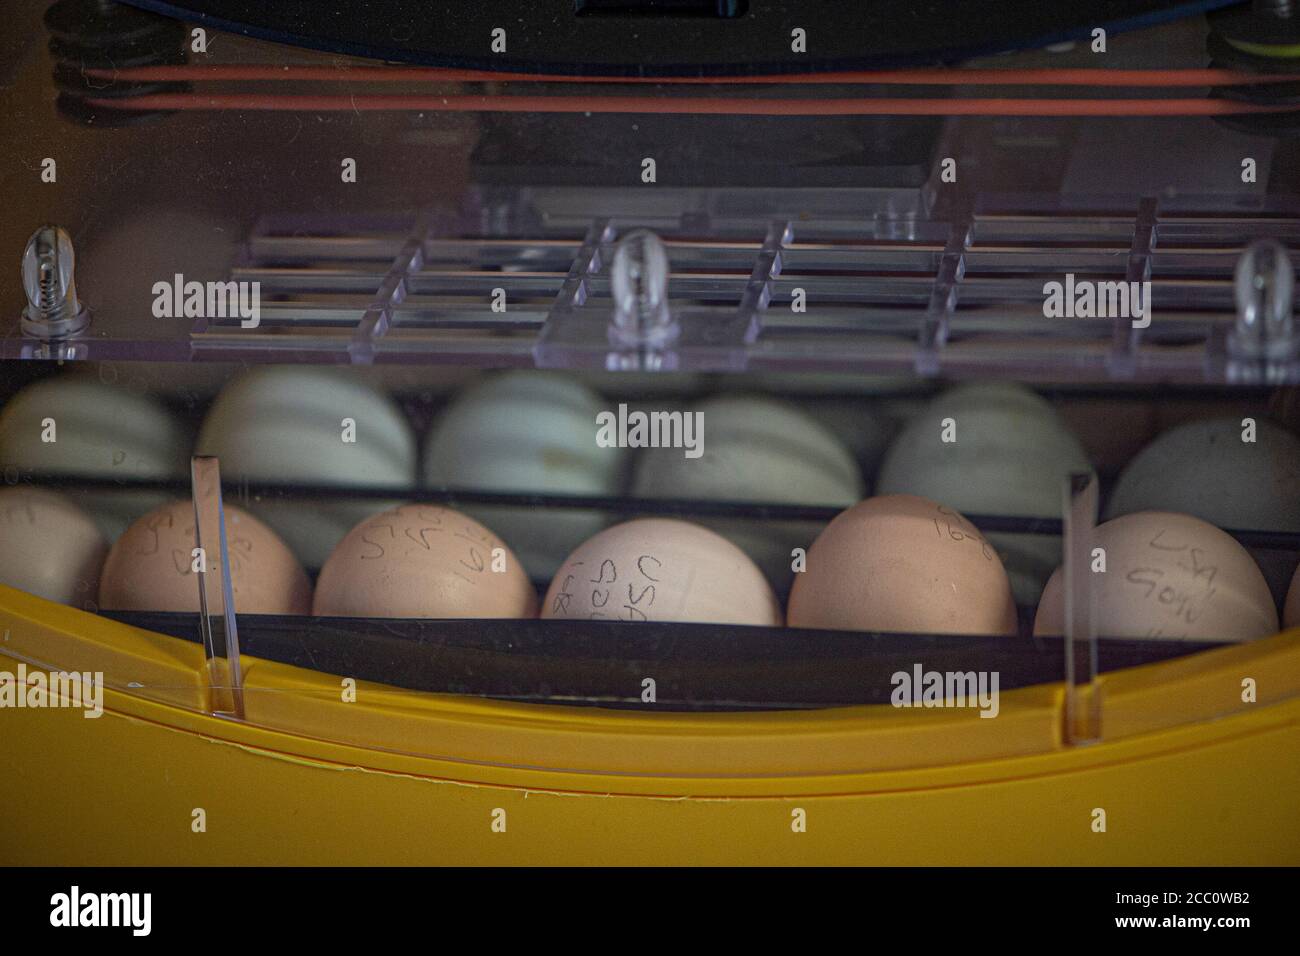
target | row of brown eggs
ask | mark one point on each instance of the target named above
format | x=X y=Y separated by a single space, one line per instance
x=890 y=563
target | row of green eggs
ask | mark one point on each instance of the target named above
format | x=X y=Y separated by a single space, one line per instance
x=533 y=432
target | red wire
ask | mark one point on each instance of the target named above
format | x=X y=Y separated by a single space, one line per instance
x=928 y=77
x=902 y=106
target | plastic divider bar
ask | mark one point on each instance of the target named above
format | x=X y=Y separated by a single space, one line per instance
x=1126 y=335
x=1082 y=708
x=212 y=566
x=390 y=294
x=762 y=279
x=577 y=285
x=933 y=335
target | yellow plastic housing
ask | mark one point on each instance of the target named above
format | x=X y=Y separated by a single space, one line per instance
x=1190 y=770
x=1279 y=51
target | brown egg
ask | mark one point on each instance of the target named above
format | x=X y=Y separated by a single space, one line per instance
x=1173 y=577
x=661 y=569
x=150 y=568
x=49 y=547
x=1291 y=613
x=903 y=563
x=423 y=561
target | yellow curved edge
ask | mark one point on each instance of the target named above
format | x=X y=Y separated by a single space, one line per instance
x=1188 y=773
x=1283 y=51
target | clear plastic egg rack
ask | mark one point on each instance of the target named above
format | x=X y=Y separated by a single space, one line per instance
x=939 y=293
x=956 y=294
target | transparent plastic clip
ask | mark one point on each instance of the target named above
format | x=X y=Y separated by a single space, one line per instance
x=211 y=559
x=1082 y=696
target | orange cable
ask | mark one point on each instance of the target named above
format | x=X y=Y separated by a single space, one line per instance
x=902 y=106
x=928 y=77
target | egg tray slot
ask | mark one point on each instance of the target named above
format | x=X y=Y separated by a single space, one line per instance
x=958 y=293
x=243 y=492
x=696 y=667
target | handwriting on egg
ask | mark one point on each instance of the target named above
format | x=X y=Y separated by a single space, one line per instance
x=629 y=598
x=1181 y=597
x=23 y=509
x=469 y=552
x=953 y=526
